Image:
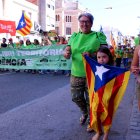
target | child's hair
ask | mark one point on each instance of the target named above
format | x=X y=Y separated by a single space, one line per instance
x=104 y=49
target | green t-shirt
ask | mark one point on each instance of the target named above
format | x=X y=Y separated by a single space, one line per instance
x=13 y=45
x=80 y=43
x=54 y=42
x=119 y=53
x=31 y=46
x=21 y=46
x=137 y=41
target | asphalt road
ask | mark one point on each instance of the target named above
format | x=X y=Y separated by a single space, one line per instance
x=42 y=110
x=19 y=88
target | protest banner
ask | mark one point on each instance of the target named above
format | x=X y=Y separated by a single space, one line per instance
x=8 y=27
x=47 y=57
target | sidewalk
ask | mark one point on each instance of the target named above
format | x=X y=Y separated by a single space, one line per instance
x=135 y=122
x=56 y=117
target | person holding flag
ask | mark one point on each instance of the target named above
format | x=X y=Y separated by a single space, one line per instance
x=85 y=41
x=104 y=56
x=106 y=86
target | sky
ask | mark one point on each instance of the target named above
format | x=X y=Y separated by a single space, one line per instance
x=124 y=15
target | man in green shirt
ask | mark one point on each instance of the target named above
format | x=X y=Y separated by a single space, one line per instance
x=84 y=42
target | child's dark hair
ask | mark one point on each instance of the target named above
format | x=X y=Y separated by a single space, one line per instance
x=104 y=49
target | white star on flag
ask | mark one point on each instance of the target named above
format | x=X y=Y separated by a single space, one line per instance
x=100 y=71
x=22 y=23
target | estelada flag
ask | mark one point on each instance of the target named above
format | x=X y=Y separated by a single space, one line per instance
x=8 y=27
x=24 y=25
x=113 y=43
x=106 y=86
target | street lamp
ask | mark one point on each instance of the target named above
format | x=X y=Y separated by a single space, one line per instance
x=108 y=8
x=109 y=31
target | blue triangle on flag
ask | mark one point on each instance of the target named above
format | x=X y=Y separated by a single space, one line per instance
x=103 y=73
x=21 y=23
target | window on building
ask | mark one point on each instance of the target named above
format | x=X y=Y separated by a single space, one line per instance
x=57 y=18
x=68 y=31
x=52 y=25
x=48 y=5
x=52 y=7
x=68 y=18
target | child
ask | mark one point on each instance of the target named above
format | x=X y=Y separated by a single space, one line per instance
x=136 y=71
x=104 y=56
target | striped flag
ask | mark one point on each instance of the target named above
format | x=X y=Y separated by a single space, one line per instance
x=106 y=86
x=113 y=43
x=119 y=33
x=24 y=25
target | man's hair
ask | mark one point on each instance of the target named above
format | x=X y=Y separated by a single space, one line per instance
x=88 y=15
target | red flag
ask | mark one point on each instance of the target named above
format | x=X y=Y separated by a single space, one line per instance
x=8 y=27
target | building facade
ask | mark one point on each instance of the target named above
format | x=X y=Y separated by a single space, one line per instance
x=11 y=10
x=39 y=11
x=59 y=15
x=46 y=14
x=66 y=15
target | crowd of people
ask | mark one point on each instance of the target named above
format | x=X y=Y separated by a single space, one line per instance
x=27 y=44
x=93 y=44
x=123 y=55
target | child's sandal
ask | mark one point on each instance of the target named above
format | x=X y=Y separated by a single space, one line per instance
x=89 y=130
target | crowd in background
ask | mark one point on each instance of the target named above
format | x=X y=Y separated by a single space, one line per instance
x=27 y=44
x=122 y=54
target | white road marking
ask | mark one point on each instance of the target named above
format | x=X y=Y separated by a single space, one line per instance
x=7 y=73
